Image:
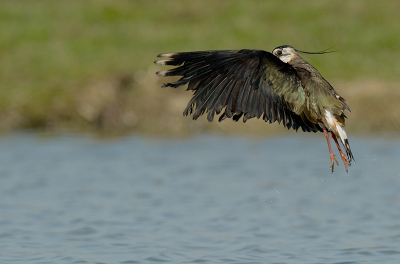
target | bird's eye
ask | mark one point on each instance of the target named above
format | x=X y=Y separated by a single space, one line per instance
x=279 y=52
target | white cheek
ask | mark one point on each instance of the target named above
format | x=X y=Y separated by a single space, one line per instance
x=285 y=58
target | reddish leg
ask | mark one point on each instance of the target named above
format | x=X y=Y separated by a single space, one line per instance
x=345 y=160
x=330 y=150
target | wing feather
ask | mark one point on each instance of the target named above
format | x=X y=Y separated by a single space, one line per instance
x=240 y=83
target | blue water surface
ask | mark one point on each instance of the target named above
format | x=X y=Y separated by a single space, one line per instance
x=204 y=199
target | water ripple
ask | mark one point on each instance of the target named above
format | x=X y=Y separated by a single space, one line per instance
x=202 y=200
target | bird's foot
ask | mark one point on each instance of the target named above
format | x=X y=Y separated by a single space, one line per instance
x=345 y=161
x=333 y=158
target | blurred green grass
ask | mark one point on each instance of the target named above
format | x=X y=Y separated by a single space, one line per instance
x=88 y=65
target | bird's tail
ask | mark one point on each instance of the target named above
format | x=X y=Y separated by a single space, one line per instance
x=345 y=142
x=348 y=151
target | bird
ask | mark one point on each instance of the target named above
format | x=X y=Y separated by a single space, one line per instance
x=279 y=86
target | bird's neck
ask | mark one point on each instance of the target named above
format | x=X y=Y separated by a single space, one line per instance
x=299 y=62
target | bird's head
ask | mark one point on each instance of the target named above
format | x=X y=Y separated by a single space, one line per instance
x=287 y=53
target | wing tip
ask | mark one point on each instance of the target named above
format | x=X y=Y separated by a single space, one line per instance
x=161 y=62
x=162 y=73
x=166 y=55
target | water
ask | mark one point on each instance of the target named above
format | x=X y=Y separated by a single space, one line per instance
x=207 y=199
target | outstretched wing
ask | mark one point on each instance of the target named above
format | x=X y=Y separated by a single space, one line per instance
x=248 y=83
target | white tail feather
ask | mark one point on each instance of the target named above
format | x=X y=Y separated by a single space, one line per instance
x=342 y=133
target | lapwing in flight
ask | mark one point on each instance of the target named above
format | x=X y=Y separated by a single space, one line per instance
x=279 y=86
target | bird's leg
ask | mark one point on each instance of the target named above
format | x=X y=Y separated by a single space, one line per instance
x=344 y=158
x=330 y=151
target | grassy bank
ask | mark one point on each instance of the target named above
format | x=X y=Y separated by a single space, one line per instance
x=88 y=65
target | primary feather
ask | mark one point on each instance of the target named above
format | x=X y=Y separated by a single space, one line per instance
x=240 y=83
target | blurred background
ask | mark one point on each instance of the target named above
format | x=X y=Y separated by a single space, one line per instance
x=87 y=66
x=127 y=179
